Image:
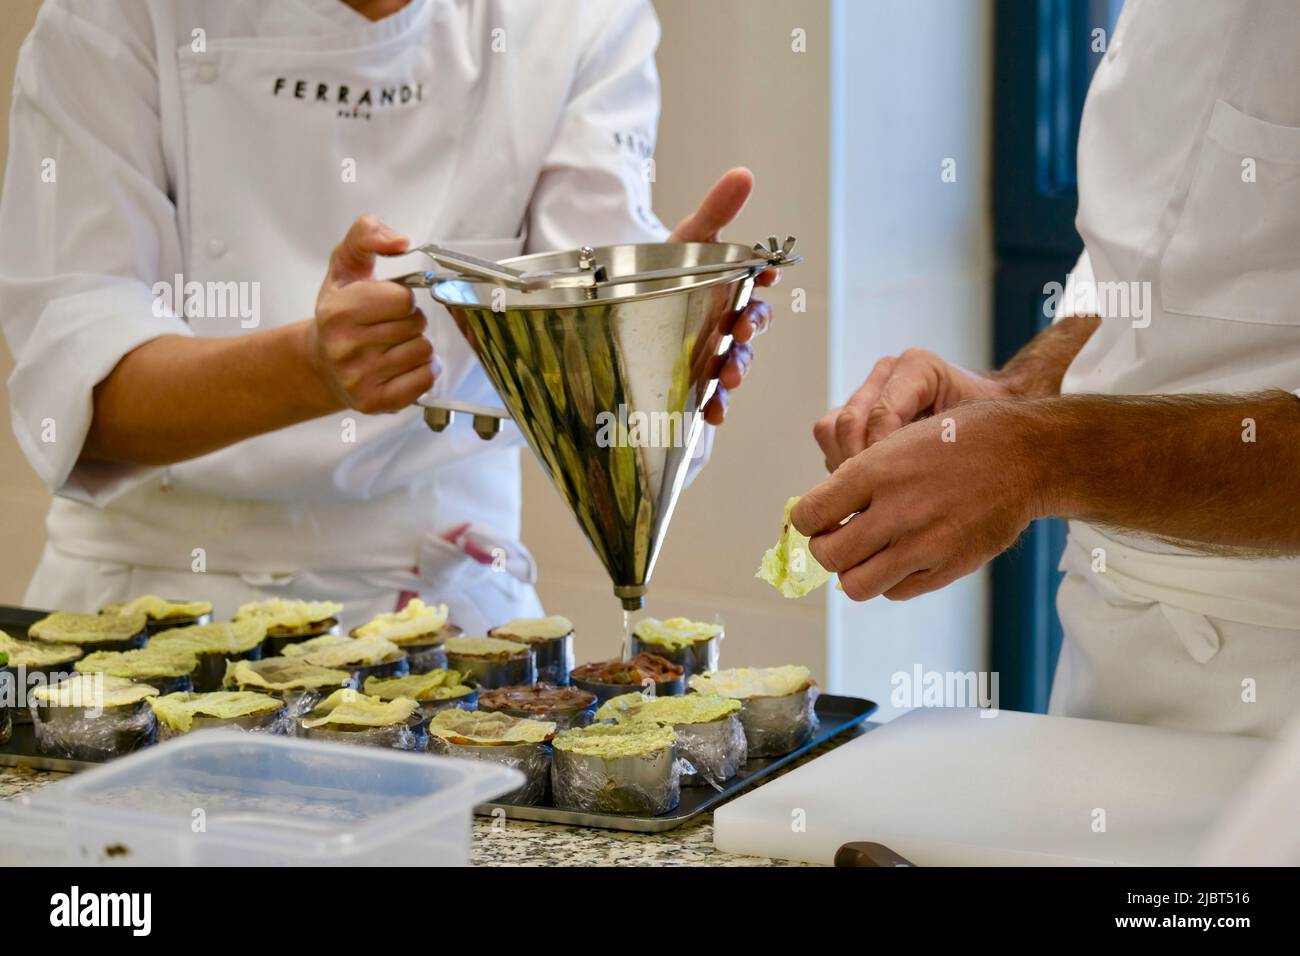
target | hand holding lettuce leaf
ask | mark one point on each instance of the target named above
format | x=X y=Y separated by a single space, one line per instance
x=789 y=565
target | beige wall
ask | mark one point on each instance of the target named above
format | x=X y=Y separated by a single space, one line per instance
x=912 y=265
x=734 y=93
x=23 y=499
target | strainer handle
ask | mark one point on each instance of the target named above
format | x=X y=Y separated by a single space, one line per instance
x=774 y=256
x=589 y=274
x=463 y=264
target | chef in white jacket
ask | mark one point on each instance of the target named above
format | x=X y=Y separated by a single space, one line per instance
x=1159 y=412
x=198 y=376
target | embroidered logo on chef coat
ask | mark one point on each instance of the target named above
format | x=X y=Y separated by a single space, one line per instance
x=350 y=101
x=635 y=144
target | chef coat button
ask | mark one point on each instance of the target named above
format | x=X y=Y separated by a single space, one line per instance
x=205 y=72
x=216 y=248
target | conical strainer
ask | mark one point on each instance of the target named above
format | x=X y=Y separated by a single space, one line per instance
x=605 y=359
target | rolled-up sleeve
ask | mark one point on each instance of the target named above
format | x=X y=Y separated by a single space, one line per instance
x=87 y=229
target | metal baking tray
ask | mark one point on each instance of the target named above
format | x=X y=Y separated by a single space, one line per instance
x=837 y=715
x=21 y=752
x=15 y=621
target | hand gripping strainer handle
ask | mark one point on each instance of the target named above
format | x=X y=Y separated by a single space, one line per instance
x=465 y=266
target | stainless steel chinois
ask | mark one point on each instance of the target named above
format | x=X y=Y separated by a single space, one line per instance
x=605 y=359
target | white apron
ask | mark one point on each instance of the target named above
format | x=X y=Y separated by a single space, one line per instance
x=1175 y=640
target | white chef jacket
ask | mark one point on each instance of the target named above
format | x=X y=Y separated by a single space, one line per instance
x=236 y=141
x=1189 y=182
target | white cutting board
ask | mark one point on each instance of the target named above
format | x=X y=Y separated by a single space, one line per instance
x=949 y=787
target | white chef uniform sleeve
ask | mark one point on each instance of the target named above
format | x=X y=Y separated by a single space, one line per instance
x=86 y=228
x=595 y=184
x=1079 y=297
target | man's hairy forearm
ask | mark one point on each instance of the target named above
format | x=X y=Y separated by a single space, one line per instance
x=176 y=397
x=1037 y=369
x=1213 y=472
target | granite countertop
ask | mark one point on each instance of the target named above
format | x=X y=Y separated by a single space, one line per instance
x=505 y=842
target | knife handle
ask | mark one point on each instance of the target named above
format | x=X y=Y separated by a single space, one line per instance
x=869 y=854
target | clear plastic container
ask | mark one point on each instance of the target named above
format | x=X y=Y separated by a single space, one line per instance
x=216 y=797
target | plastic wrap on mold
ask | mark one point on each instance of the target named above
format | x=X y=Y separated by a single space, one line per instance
x=533 y=760
x=411 y=735
x=775 y=726
x=716 y=750
x=81 y=733
x=465 y=702
x=28 y=678
x=645 y=785
x=284 y=724
x=299 y=702
x=278 y=723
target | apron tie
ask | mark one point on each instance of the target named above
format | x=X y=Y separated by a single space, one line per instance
x=1196 y=631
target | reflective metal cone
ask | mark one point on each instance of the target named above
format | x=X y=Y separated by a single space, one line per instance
x=608 y=384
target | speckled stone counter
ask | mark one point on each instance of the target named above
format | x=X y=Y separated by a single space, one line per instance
x=18 y=780
x=519 y=843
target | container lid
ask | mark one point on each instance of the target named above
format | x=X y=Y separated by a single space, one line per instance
x=266 y=798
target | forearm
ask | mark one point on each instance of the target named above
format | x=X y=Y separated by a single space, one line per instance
x=1037 y=369
x=1215 y=473
x=176 y=398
